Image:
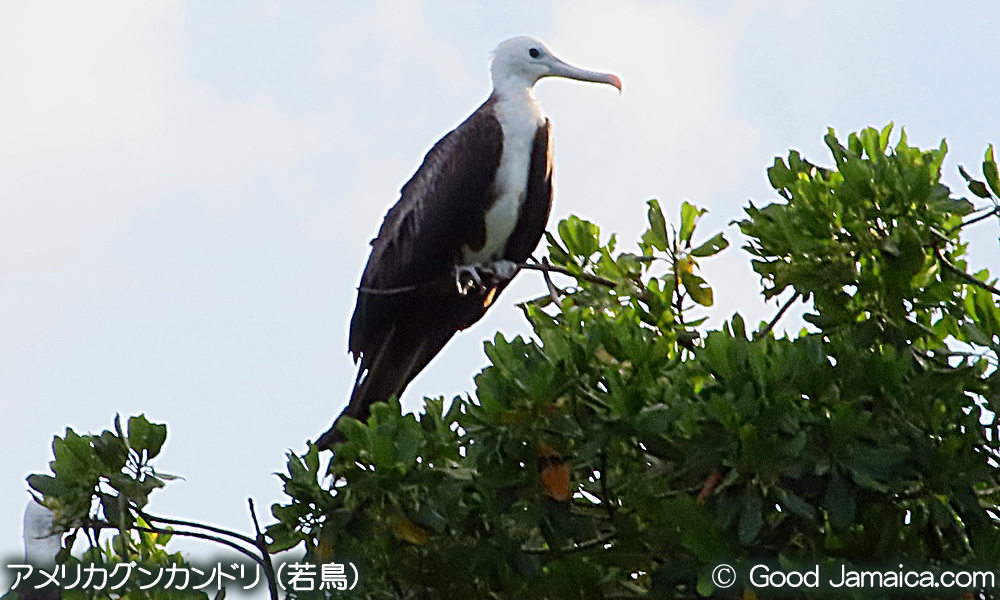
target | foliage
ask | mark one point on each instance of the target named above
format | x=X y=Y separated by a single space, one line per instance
x=103 y=482
x=626 y=451
x=618 y=454
x=112 y=468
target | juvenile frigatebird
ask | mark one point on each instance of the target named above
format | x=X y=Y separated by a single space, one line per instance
x=475 y=208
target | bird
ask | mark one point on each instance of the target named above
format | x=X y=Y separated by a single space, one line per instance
x=41 y=543
x=475 y=208
x=41 y=548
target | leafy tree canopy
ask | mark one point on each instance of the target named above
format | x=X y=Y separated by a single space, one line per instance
x=625 y=450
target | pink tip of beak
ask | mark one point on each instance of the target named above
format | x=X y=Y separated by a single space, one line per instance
x=615 y=81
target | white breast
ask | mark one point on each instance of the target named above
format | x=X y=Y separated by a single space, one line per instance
x=520 y=117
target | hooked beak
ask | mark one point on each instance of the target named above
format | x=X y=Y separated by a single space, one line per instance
x=562 y=69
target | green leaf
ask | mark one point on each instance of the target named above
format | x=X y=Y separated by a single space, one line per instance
x=990 y=171
x=752 y=518
x=717 y=244
x=657 y=226
x=871 y=142
x=689 y=219
x=311 y=460
x=113 y=512
x=557 y=253
x=705 y=586
x=45 y=485
x=840 y=503
x=976 y=187
x=143 y=435
x=781 y=176
x=655 y=420
x=838 y=151
x=883 y=137
x=580 y=237
x=907 y=254
x=697 y=288
x=739 y=327
x=75 y=457
x=798 y=506
x=111 y=450
x=283 y=536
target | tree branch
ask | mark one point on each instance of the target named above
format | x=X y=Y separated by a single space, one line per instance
x=200 y=536
x=220 y=531
x=554 y=269
x=598 y=541
x=545 y=267
x=994 y=212
x=767 y=329
x=98 y=525
x=553 y=290
x=965 y=276
x=265 y=555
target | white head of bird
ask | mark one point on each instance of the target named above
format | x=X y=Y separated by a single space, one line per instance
x=518 y=64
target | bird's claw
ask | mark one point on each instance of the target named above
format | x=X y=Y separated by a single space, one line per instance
x=468 y=277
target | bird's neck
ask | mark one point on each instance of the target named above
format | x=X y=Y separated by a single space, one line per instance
x=517 y=102
x=514 y=90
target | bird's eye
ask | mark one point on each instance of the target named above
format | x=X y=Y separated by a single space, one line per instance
x=534 y=53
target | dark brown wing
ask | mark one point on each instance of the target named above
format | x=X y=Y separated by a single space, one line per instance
x=441 y=209
x=538 y=202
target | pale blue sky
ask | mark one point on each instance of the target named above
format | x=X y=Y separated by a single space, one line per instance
x=187 y=190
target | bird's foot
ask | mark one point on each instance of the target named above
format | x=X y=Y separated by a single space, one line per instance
x=467 y=277
x=480 y=277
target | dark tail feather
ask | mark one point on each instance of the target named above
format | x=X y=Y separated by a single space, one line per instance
x=384 y=374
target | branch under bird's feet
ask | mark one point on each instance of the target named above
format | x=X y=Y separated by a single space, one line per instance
x=480 y=277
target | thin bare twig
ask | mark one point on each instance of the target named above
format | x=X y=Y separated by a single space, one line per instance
x=553 y=290
x=965 y=276
x=598 y=541
x=98 y=525
x=767 y=329
x=150 y=518
x=259 y=543
x=265 y=556
x=200 y=536
x=994 y=212
x=584 y=276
